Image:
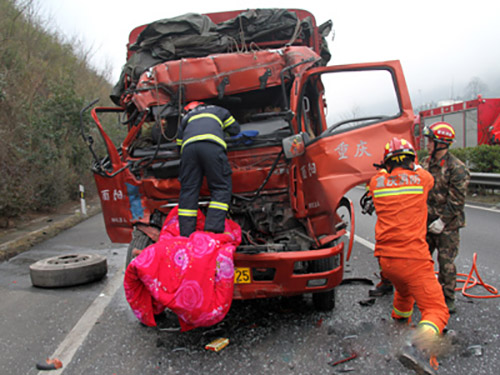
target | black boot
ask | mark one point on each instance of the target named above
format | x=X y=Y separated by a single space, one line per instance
x=381 y=289
x=451 y=305
x=416 y=360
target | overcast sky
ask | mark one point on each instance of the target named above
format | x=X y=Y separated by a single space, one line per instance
x=442 y=44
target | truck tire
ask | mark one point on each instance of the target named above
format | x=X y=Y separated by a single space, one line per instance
x=68 y=270
x=323 y=301
x=139 y=241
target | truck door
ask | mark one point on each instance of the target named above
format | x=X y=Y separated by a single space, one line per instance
x=347 y=114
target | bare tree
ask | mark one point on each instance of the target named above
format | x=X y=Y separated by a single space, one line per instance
x=475 y=87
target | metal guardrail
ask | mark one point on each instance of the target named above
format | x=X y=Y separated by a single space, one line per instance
x=491 y=180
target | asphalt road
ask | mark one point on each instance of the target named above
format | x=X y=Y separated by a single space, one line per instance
x=93 y=331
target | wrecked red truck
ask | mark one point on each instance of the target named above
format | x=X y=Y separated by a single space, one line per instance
x=316 y=131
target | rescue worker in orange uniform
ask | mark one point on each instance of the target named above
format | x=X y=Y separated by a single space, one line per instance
x=399 y=193
x=203 y=154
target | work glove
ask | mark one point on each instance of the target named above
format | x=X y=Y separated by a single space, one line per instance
x=436 y=227
x=246 y=136
x=367 y=206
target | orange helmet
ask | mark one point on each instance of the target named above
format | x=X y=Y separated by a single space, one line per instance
x=440 y=132
x=397 y=149
x=192 y=105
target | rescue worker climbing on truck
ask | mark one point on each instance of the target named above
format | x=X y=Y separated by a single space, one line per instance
x=399 y=192
x=203 y=153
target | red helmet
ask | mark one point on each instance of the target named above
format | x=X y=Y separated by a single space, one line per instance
x=397 y=149
x=440 y=132
x=192 y=105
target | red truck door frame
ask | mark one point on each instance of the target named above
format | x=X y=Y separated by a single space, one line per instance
x=336 y=160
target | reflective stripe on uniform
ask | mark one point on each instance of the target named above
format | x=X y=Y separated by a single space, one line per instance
x=210 y=115
x=218 y=205
x=427 y=324
x=228 y=122
x=402 y=314
x=398 y=191
x=204 y=137
x=188 y=213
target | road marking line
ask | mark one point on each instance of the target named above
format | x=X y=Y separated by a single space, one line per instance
x=80 y=331
x=364 y=242
x=496 y=210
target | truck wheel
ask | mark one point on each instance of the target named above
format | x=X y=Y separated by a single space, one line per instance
x=323 y=301
x=68 y=270
x=139 y=241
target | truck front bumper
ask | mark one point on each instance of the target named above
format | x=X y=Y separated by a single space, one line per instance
x=283 y=281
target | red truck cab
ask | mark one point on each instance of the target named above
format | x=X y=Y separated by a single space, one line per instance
x=319 y=131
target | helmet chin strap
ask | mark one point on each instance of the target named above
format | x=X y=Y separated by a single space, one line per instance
x=436 y=148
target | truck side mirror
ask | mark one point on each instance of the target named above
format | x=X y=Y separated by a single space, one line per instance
x=294 y=145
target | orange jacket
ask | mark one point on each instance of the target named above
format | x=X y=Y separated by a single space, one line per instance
x=400 y=199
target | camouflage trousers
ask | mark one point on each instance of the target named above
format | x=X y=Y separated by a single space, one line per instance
x=446 y=245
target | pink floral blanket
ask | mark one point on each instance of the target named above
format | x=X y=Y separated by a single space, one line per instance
x=192 y=276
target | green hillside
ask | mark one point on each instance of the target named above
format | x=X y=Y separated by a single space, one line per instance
x=44 y=83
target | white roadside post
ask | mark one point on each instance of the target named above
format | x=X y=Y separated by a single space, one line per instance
x=82 y=200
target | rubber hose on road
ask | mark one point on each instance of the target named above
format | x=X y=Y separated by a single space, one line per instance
x=473 y=282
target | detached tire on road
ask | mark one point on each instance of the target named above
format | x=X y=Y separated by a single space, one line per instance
x=68 y=270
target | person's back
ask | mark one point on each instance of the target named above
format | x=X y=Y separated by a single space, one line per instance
x=399 y=193
x=206 y=123
x=203 y=154
x=400 y=202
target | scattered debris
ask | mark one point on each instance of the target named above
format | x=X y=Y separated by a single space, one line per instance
x=350 y=337
x=180 y=350
x=367 y=302
x=213 y=332
x=346 y=369
x=475 y=350
x=332 y=363
x=451 y=336
x=218 y=344
x=357 y=280
x=49 y=364
x=170 y=329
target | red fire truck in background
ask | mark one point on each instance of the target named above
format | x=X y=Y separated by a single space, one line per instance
x=476 y=122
